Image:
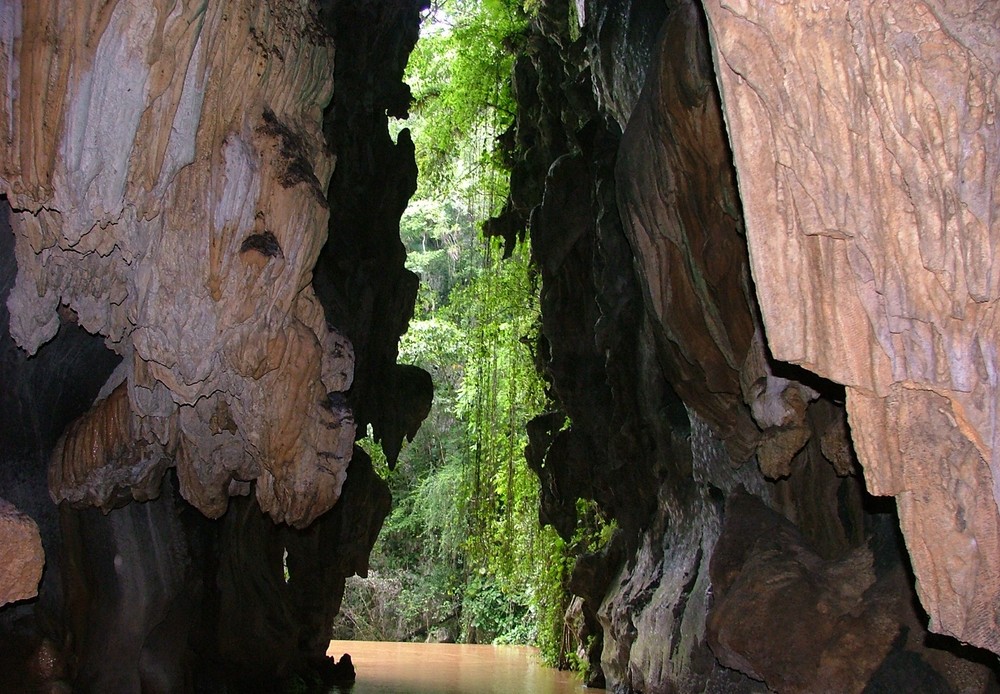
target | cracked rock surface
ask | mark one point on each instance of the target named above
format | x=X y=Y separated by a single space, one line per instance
x=867 y=148
x=21 y=556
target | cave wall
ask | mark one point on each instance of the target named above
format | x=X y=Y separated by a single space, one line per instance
x=170 y=378
x=361 y=277
x=870 y=189
x=180 y=219
x=170 y=228
x=40 y=396
x=727 y=467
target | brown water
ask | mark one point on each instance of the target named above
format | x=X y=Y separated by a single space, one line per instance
x=448 y=668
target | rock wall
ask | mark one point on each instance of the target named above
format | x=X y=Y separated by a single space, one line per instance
x=37 y=402
x=181 y=219
x=868 y=152
x=361 y=276
x=658 y=352
x=167 y=168
x=167 y=171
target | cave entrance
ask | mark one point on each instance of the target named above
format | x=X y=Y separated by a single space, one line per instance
x=205 y=527
x=462 y=557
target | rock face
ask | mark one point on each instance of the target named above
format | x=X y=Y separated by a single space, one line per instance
x=773 y=594
x=40 y=396
x=659 y=353
x=868 y=154
x=165 y=169
x=181 y=219
x=149 y=582
x=725 y=199
x=21 y=556
x=361 y=276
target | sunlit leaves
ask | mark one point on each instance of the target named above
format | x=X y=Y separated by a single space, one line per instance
x=464 y=534
x=459 y=75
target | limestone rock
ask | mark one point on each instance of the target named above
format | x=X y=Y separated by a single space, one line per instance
x=686 y=233
x=783 y=615
x=180 y=218
x=654 y=611
x=679 y=205
x=54 y=386
x=867 y=147
x=167 y=164
x=361 y=277
x=593 y=336
x=21 y=556
x=624 y=40
x=131 y=591
x=651 y=342
x=140 y=589
x=100 y=462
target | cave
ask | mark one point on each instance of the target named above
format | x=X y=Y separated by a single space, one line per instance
x=767 y=238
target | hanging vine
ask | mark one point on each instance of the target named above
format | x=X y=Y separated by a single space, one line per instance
x=464 y=530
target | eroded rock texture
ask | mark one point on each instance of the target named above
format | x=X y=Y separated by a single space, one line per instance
x=180 y=218
x=774 y=594
x=21 y=556
x=655 y=349
x=167 y=165
x=39 y=396
x=159 y=597
x=867 y=146
x=361 y=277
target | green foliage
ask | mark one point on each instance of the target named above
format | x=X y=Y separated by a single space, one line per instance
x=371 y=609
x=439 y=235
x=551 y=596
x=459 y=74
x=593 y=529
x=462 y=553
x=490 y=615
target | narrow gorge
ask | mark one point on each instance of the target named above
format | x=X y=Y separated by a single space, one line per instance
x=768 y=245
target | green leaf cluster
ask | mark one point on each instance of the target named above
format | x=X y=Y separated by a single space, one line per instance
x=459 y=75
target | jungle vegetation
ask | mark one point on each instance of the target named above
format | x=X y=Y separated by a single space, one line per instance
x=462 y=556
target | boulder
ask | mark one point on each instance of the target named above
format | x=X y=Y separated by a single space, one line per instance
x=21 y=555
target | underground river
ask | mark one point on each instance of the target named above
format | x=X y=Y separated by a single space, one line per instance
x=446 y=668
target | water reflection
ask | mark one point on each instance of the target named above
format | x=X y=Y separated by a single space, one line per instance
x=446 y=668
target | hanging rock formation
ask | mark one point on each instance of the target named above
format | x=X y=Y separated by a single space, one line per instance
x=870 y=185
x=181 y=218
x=361 y=278
x=750 y=219
x=166 y=171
